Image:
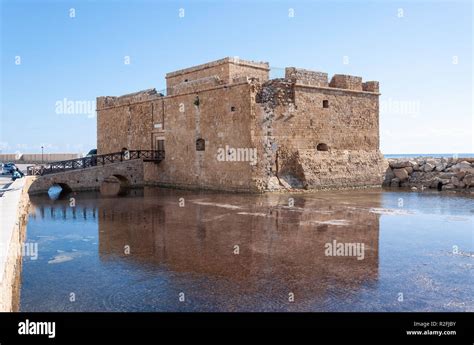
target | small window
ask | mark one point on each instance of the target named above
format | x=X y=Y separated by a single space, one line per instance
x=200 y=144
x=322 y=147
x=160 y=145
x=232 y=108
x=325 y=103
x=185 y=80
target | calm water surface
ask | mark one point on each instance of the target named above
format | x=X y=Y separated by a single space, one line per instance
x=145 y=252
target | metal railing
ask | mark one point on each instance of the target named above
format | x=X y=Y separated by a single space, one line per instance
x=98 y=160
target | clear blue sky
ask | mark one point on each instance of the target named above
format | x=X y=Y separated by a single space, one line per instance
x=426 y=102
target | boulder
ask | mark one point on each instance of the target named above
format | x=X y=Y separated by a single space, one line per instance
x=414 y=189
x=457 y=182
x=428 y=167
x=448 y=186
x=467 y=170
x=409 y=170
x=389 y=175
x=399 y=164
x=440 y=166
x=468 y=180
x=447 y=175
x=402 y=174
x=461 y=166
x=416 y=176
x=460 y=174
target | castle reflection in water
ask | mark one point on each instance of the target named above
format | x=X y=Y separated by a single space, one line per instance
x=254 y=242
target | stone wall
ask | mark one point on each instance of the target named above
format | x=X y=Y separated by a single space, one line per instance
x=436 y=173
x=14 y=206
x=316 y=137
x=125 y=122
x=224 y=71
x=305 y=77
x=221 y=118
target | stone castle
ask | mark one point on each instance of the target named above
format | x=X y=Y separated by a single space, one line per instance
x=225 y=125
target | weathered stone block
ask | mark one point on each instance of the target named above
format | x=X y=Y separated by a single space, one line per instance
x=402 y=174
x=349 y=82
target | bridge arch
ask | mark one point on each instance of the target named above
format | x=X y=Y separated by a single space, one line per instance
x=115 y=184
x=58 y=190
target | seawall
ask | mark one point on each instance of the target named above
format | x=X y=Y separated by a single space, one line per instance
x=437 y=173
x=14 y=206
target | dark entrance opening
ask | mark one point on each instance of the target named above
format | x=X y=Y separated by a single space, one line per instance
x=322 y=147
x=200 y=145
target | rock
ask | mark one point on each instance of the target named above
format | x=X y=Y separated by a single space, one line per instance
x=440 y=166
x=461 y=166
x=399 y=164
x=395 y=182
x=467 y=170
x=428 y=167
x=416 y=167
x=414 y=189
x=448 y=186
x=434 y=183
x=460 y=174
x=447 y=175
x=409 y=170
x=416 y=176
x=402 y=174
x=457 y=182
x=389 y=175
x=468 y=180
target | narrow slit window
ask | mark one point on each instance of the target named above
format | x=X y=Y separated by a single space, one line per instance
x=325 y=103
x=200 y=144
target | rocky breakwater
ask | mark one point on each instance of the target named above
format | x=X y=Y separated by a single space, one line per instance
x=437 y=173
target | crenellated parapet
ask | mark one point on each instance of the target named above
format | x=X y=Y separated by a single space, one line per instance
x=320 y=79
x=104 y=102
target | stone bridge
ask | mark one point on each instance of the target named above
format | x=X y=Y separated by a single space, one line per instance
x=112 y=173
x=110 y=179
